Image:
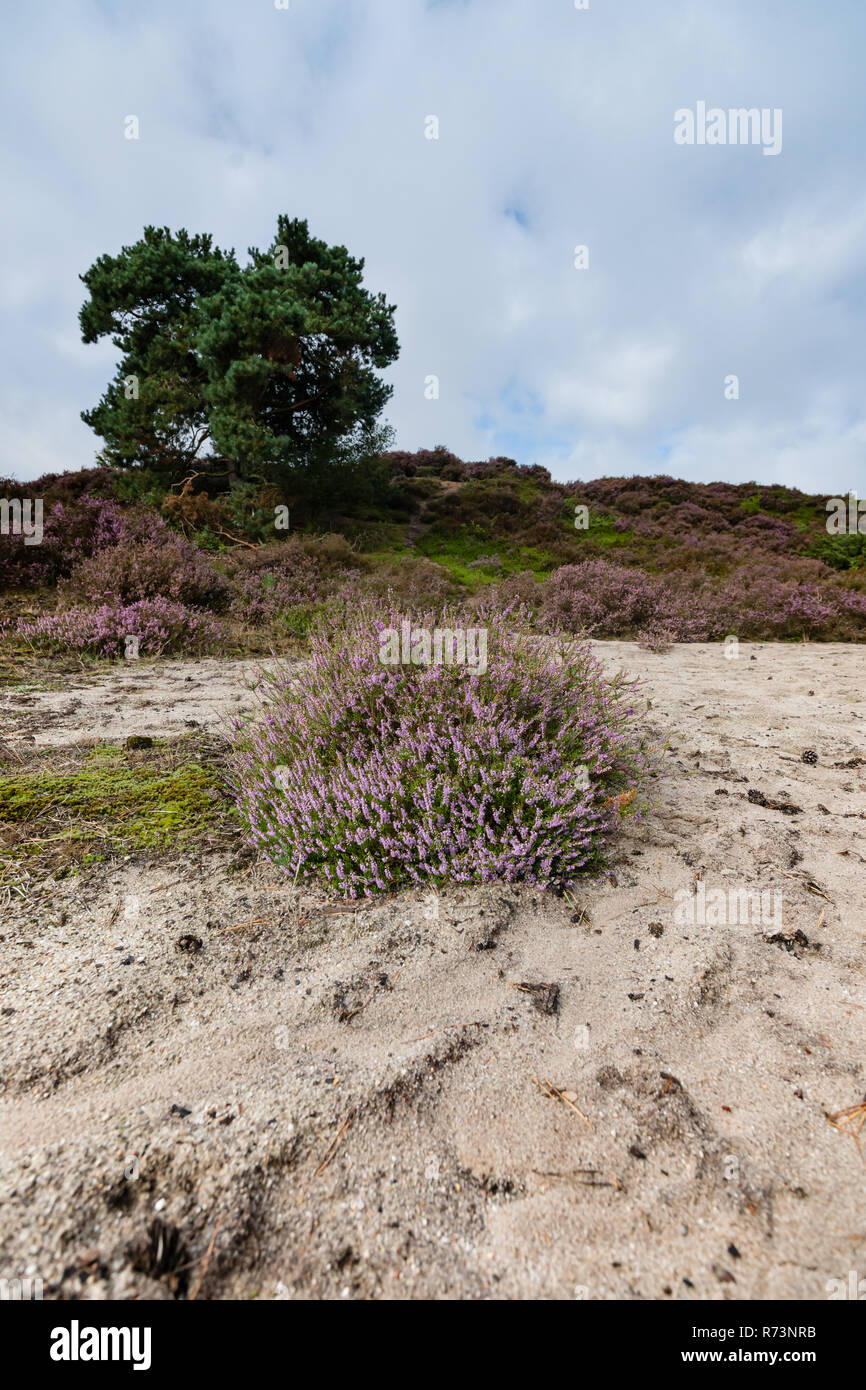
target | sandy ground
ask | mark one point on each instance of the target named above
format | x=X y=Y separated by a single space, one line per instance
x=214 y=1085
x=160 y=700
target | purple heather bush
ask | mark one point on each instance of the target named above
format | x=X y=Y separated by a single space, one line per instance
x=72 y=531
x=147 y=561
x=519 y=592
x=656 y=638
x=764 y=598
x=127 y=574
x=262 y=595
x=368 y=776
x=600 y=597
x=268 y=581
x=416 y=583
x=161 y=626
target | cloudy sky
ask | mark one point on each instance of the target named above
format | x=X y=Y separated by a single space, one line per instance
x=556 y=130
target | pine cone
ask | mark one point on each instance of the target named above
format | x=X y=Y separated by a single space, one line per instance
x=810 y=757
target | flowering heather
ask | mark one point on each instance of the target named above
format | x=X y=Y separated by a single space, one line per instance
x=764 y=599
x=160 y=625
x=73 y=530
x=417 y=584
x=161 y=565
x=262 y=595
x=272 y=579
x=658 y=555
x=370 y=776
x=518 y=594
x=656 y=638
x=598 y=596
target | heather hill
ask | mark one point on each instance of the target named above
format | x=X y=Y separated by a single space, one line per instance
x=219 y=563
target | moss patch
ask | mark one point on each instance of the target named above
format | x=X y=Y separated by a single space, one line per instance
x=116 y=802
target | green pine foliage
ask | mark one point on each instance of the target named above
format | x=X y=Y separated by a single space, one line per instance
x=272 y=367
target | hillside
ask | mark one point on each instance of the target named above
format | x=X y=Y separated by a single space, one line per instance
x=203 y=567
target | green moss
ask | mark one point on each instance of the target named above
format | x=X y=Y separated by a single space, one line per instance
x=806 y=517
x=600 y=527
x=119 y=805
x=378 y=558
x=464 y=545
x=456 y=554
x=459 y=569
x=455 y=551
x=528 y=491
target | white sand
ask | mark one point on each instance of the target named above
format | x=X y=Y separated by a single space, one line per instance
x=705 y=1059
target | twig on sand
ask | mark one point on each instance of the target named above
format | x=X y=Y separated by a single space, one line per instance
x=850 y=1120
x=572 y=1173
x=663 y=891
x=811 y=885
x=336 y=1142
x=208 y=1253
x=554 y=1093
x=359 y=905
x=580 y=913
x=253 y=922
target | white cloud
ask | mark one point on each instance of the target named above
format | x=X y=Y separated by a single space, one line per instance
x=556 y=128
x=619 y=389
x=811 y=249
x=818 y=452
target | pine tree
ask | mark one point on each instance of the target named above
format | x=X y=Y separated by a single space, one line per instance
x=272 y=366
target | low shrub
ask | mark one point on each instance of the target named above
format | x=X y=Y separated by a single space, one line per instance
x=161 y=627
x=414 y=583
x=656 y=638
x=271 y=580
x=842 y=552
x=262 y=595
x=370 y=776
x=71 y=531
x=764 y=598
x=598 y=597
x=516 y=594
x=332 y=553
x=148 y=561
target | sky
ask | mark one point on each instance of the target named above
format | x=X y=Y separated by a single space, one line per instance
x=556 y=129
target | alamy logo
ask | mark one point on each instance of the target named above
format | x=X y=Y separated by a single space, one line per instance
x=417 y=646
x=854 y=1290
x=76 y=1343
x=846 y=516
x=737 y=126
x=20 y=1290
x=718 y=907
x=22 y=519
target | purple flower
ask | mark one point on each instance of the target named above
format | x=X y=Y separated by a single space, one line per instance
x=432 y=773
